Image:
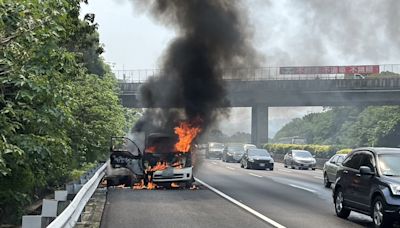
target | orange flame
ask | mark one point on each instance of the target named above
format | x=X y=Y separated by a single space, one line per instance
x=177 y=165
x=186 y=133
x=151 y=186
x=151 y=149
x=158 y=167
x=138 y=186
x=175 y=185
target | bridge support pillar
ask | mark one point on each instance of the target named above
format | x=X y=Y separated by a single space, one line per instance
x=259 y=125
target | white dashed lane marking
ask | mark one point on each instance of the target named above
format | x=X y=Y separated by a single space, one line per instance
x=303 y=188
x=254 y=175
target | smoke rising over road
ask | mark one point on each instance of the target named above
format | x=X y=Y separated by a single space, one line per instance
x=211 y=35
x=314 y=32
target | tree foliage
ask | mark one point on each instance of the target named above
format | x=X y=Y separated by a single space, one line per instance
x=348 y=126
x=58 y=100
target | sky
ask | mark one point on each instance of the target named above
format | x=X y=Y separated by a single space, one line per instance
x=285 y=32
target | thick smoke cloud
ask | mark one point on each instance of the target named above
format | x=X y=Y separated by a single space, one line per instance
x=211 y=35
x=314 y=32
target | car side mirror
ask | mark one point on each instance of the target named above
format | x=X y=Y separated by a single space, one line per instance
x=365 y=170
x=313 y=156
x=333 y=162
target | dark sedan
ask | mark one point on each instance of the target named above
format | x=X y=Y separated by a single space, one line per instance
x=369 y=182
x=233 y=152
x=257 y=159
x=331 y=167
x=214 y=150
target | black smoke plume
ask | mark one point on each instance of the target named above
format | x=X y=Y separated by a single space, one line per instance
x=211 y=35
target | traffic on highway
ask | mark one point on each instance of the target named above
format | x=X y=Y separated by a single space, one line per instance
x=360 y=189
x=199 y=113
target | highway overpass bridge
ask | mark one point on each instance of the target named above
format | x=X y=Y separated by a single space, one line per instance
x=261 y=94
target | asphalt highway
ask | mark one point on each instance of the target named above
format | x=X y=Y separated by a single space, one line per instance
x=173 y=208
x=290 y=198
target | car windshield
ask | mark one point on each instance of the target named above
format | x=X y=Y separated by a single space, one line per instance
x=259 y=153
x=389 y=164
x=302 y=154
x=216 y=146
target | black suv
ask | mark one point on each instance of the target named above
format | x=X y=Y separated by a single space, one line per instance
x=369 y=182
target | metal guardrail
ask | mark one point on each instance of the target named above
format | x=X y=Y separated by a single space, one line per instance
x=245 y=74
x=69 y=217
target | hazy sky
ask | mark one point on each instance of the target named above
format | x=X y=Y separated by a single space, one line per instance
x=286 y=32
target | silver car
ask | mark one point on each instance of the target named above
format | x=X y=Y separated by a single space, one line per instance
x=331 y=167
x=300 y=159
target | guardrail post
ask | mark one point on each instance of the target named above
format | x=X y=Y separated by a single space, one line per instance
x=69 y=188
x=49 y=208
x=83 y=180
x=61 y=195
x=77 y=187
x=33 y=221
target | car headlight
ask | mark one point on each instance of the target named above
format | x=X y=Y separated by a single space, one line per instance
x=271 y=161
x=251 y=160
x=230 y=154
x=395 y=188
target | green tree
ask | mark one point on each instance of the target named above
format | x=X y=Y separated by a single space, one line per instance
x=58 y=100
x=348 y=126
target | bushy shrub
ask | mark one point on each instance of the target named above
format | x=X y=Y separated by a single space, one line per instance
x=344 y=151
x=320 y=151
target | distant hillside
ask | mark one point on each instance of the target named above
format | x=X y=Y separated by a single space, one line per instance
x=348 y=126
x=275 y=125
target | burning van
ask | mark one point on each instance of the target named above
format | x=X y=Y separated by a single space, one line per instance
x=164 y=164
x=165 y=161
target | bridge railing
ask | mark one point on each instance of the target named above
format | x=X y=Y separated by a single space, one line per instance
x=250 y=74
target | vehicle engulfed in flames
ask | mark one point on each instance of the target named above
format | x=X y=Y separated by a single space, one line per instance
x=165 y=160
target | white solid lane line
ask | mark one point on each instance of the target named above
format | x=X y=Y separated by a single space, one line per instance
x=250 y=210
x=303 y=188
x=230 y=168
x=214 y=163
x=318 y=177
x=255 y=175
